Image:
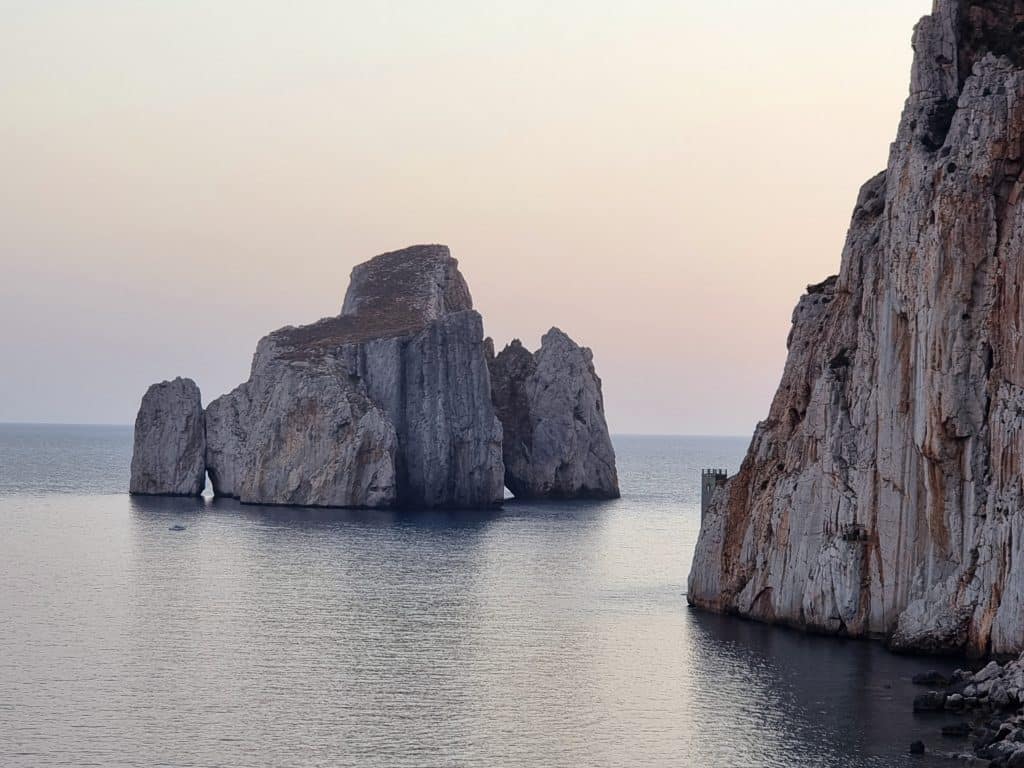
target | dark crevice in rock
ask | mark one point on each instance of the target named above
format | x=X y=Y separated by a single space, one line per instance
x=989 y=26
x=939 y=118
x=840 y=360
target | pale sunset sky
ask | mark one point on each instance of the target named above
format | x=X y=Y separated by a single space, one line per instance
x=660 y=179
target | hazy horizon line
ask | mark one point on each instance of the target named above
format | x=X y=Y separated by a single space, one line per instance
x=130 y=426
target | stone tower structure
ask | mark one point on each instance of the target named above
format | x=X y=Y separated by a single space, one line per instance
x=710 y=481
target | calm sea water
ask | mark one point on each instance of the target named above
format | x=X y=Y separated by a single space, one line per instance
x=540 y=635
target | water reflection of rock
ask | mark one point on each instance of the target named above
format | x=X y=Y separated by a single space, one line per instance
x=427 y=622
x=368 y=607
x=142 y=506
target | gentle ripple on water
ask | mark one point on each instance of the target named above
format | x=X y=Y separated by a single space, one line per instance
x=539 y=635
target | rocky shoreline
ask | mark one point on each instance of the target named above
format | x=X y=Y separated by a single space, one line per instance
x=991 y=704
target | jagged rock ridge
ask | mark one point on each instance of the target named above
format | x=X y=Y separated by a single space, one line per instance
x=883 y=494
x=556 y=442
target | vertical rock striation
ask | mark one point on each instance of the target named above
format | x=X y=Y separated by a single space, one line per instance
x=170 y=441
x=450 y=437
x=556 y=442
x=883 y=496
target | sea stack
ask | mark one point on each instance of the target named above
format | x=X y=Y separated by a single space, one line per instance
x=556 y=443
x=883 y=494
x=387 y=404
x=169 y=457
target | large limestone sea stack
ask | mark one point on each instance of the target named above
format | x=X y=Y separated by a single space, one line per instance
x=387 y=404
x=883 y=494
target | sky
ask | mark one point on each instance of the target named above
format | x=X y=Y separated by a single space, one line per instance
x=661 y=179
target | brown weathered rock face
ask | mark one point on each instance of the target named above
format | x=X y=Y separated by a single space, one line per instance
x=883 y=494
x=556 y=442
x=387 y=403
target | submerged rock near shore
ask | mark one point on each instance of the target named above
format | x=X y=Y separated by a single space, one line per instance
x=387 y=404
x=883 y=494
x=988 y=701
x=556 y=442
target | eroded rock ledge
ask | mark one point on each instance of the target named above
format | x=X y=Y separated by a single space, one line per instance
x=387 y=404
x=883 y=496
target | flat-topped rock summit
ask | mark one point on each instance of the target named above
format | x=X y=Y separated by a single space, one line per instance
x=389 y=403
x=394 y=294
x=415 y=285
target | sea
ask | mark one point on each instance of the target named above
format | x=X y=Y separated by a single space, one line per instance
x=540 y=634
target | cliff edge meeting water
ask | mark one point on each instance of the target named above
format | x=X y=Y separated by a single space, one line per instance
x=474 y=384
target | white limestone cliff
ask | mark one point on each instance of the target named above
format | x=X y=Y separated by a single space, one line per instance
x=882 y=496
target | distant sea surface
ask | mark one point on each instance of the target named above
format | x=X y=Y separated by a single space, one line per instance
x=539 y=635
